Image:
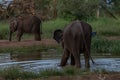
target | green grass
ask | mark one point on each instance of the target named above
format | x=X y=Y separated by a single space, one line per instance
x=15 y=73
x=101 y=45
x=31 y=49
x=106 y=26
x=4 y=30
x=50 y=26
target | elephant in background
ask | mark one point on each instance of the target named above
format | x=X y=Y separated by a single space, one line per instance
x=28 y=24
x=75 y=39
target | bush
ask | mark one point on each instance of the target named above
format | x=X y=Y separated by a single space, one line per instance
x=4 y=30
x=101 y=45
x=77 y=9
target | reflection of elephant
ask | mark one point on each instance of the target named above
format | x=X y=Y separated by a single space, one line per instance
x=29 y=24
x=75 y=39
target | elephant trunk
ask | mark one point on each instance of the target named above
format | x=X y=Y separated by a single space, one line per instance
x=10 y=36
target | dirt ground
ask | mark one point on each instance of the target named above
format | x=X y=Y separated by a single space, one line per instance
x=6 y=43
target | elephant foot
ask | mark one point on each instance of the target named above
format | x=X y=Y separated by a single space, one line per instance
x=72 y=63
x=62 y=65
x=38 y=39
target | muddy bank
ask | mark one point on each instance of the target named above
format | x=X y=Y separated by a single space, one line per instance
x=23 y=43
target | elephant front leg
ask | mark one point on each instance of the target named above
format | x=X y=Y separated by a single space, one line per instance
x=10 y=37
x=19 y=35
x=65 y=57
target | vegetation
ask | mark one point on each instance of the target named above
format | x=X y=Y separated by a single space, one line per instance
x=77 y=9
x=15 y=73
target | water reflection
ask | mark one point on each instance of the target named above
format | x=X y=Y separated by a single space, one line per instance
x=25 y=56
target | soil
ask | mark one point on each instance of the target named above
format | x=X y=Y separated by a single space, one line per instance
x=6 y=43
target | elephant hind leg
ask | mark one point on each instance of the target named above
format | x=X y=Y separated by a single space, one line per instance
x=72 y=60
x=65 y=57
x=87 y=58
x=77 y=60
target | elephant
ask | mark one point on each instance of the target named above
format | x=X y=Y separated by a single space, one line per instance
x=75 y=39
x=28 y=24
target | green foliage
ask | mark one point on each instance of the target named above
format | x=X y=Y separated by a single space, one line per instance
x=51 y=72
x=42 y=4
x=4 y=30
x=14 y=73
x=106 y=26
x=10 y=73
x=50 y=26
x=77 y=9
x=116 y=6
x=101 y=45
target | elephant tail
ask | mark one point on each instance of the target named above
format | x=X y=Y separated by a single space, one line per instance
x=92 y=59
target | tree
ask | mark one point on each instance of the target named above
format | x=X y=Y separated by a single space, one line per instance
x=116 y=6
x=77 y=9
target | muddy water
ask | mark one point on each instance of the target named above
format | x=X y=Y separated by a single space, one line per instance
x=38 y=61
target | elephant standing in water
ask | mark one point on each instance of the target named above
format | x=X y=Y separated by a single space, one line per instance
x=29 y=24
x=75 y=39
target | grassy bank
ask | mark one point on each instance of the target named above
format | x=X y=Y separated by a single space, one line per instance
x=14 y=73
x=30 y=49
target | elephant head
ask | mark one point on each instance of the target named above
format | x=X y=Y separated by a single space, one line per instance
x=58 y=35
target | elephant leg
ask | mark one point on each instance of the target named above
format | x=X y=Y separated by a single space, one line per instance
x=19 y=35
x=72 y=60
x=10 y=37
x=87 y=57
x=76 y=53
x=65 y=57
x=37 y=36
x=87 y=51
x=77 y=59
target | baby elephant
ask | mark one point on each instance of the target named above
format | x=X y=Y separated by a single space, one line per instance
x=29 y=24
x=75 y=39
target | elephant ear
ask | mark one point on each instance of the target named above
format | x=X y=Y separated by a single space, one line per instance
x=58 y=35
x=13 y=25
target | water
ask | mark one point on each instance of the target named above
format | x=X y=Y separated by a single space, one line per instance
x=37 y=61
